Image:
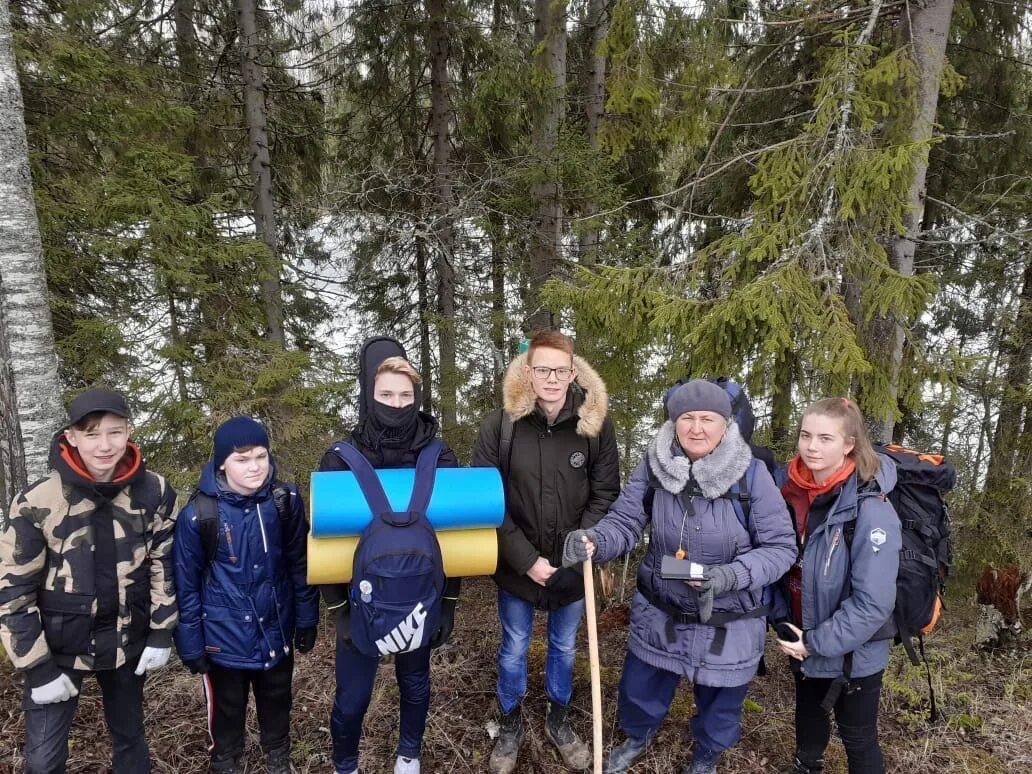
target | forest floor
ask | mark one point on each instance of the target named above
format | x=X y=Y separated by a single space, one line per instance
x=986 y=700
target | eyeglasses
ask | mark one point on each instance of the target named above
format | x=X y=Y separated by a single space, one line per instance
x=562 y=374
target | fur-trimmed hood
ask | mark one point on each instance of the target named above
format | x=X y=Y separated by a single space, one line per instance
x=591 y=399
x=715 y=473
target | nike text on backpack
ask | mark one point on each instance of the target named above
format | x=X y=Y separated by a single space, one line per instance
x=922 y=480
x=397 y=581
x=208 y=517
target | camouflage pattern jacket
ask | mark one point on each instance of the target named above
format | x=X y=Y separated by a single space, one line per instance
x=85 y=568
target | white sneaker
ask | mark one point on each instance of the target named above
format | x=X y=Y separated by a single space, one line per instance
x=406 y=765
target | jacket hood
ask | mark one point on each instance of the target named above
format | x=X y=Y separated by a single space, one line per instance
x=715 y=473
x=374 y=351
x=65 y=459
x=591 y=398
x=884 y=482
x=213 y=482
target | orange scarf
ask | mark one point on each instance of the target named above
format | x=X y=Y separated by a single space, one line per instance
x=802 y=477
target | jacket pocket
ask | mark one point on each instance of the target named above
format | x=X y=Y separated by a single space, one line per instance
x=67 y=621
x=230 y=632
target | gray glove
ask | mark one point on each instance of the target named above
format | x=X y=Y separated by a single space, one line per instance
x=720 y=579
x=574 y=549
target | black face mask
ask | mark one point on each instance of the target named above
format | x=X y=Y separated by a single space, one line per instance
x=392 y=418
x=392 y=426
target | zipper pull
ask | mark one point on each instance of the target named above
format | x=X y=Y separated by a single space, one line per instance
x=834 y=542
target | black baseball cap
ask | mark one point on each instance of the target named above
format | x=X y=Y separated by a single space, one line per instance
x=98 y=399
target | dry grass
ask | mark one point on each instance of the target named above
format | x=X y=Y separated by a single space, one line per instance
x=986 y=700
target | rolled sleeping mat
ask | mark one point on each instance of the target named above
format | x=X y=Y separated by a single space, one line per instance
x=465 y=552
x=463 y=498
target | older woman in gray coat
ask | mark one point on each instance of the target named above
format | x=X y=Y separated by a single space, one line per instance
x=716 y=508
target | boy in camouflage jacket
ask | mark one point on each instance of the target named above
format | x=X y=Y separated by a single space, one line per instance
x=86 y=584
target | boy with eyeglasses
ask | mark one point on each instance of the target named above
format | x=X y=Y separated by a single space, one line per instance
x=556 y=448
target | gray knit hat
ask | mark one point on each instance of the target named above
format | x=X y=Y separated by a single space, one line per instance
x=697 y=395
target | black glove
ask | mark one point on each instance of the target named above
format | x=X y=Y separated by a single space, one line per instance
x=446 y=625
x=720 y=579
x=197 y=666
x=565 y=582
x=574 y=550
x=304 y=639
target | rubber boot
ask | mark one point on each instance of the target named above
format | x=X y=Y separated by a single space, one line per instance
x=623 y=756
x=507 y=746
x=576 y=754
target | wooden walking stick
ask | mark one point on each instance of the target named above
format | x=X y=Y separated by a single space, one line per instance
x=596 y=680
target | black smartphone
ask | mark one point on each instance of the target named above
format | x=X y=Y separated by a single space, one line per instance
x=785 y=632
x=672 y=568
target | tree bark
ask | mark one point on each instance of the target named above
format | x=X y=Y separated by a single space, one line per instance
x=1015 y=405
x=550 y=38
x=253 y=80
x=443 y=230
x=928 y=29
x=423 y=307
x=28 y=362
x=594 y=106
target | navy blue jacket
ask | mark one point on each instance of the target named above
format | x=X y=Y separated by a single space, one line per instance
x=241 y=611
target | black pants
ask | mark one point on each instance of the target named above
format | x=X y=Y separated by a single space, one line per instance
x=856 y=714
x=355 y=676
x=47 y=725
x=227 y=691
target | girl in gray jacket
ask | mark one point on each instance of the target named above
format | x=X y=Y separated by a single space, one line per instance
x=712 y=505
x=841 y=594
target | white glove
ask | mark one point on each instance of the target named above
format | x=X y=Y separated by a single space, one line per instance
x=152 y=658
x=57 y=690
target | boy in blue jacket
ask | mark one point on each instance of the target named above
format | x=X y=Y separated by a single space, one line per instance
x=245 y=604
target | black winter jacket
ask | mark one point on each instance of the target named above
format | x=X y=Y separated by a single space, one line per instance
x=555 y=485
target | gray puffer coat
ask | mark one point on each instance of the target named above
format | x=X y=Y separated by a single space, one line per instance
x=711 y=534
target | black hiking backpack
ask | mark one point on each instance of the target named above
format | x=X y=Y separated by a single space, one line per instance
x=922 y=481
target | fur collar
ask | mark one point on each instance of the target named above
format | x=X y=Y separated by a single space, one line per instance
x=519 y=401
x=715 y=473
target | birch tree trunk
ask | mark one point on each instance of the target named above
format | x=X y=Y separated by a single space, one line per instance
x=443 y=230
x=550 y=37
x=928 y=30
x=30 y=404
x=253 y=80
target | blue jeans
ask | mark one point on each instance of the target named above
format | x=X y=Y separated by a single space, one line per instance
x=355 y=676
x=517 y=619
x=646 y=693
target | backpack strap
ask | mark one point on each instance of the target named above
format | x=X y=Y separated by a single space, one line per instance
x=426 y=473
x=365 y=475
x=207 y=523
x=505 y=432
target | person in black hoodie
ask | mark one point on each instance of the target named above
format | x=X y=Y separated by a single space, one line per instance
x=391 y=432
x=86 y=584
x=562 y=471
